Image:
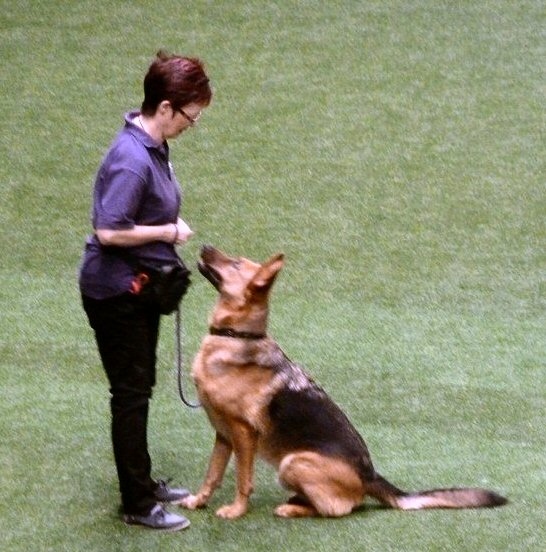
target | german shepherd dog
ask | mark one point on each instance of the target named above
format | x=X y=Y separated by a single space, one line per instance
x=262 y=404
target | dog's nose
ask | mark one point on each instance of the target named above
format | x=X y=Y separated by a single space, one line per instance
x=206 y=248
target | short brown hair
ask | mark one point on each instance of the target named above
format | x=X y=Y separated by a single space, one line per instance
x=177 y=79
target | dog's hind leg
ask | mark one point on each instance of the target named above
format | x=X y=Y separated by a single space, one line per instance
x=325 y=486
x=297 y=506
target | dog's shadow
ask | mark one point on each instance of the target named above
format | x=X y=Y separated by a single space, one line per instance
x=370 y=508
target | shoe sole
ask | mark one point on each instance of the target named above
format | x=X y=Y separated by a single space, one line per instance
x=171 y=529
x=176 y=501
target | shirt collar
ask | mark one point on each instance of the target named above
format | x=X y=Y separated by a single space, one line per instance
x=138 y=132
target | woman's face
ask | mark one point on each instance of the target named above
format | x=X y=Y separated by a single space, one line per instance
x=179 y=120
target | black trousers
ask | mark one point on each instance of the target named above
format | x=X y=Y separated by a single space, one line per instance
x=126 y=332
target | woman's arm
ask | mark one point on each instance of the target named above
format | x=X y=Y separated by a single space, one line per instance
x=178 y=233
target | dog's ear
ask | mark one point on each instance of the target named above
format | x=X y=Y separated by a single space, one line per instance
x=264 y=278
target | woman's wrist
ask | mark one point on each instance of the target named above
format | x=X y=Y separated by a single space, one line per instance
x=175 y=239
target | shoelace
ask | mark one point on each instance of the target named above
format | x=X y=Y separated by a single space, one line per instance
x=163 y=484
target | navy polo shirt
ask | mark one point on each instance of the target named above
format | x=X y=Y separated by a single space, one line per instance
x=135 y=185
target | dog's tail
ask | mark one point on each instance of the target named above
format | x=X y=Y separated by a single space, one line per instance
x=388 y=494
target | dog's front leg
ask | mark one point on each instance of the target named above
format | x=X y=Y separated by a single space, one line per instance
x=217 y=466
x=244 y=440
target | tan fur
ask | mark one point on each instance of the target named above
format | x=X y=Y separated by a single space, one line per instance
x=333 y=487
x=238 y=378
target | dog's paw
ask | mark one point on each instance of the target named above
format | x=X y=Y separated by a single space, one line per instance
x=294 y=510
x=192 y=502
x=231 y=511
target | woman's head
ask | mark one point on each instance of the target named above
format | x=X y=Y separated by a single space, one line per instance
x=176 y=79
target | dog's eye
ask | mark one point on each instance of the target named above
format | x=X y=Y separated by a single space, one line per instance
x=236 y=264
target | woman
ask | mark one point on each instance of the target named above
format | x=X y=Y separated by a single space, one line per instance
x=135 y=219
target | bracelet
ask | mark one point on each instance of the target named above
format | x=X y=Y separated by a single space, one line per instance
x=175 y=233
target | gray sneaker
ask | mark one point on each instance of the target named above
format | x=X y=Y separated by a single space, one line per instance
x=158 y=518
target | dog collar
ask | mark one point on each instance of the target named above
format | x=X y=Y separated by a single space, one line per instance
x=229 y=332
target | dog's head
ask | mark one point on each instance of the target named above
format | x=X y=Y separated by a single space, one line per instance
x=243 y=286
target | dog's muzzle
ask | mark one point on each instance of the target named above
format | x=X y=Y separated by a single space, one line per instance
x=210 y=274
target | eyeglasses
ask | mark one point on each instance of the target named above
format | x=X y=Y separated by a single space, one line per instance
x=191 y=120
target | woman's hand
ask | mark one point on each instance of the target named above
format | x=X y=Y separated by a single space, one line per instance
x=183 y=232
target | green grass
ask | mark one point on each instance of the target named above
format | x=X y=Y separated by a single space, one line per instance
x=394 y=151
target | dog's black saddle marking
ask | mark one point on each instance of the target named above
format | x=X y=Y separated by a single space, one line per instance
x=307 y=419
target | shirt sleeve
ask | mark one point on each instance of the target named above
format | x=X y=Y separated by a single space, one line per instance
x=119 y=191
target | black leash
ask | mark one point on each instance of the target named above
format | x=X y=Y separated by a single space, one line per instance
x=178 y=341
